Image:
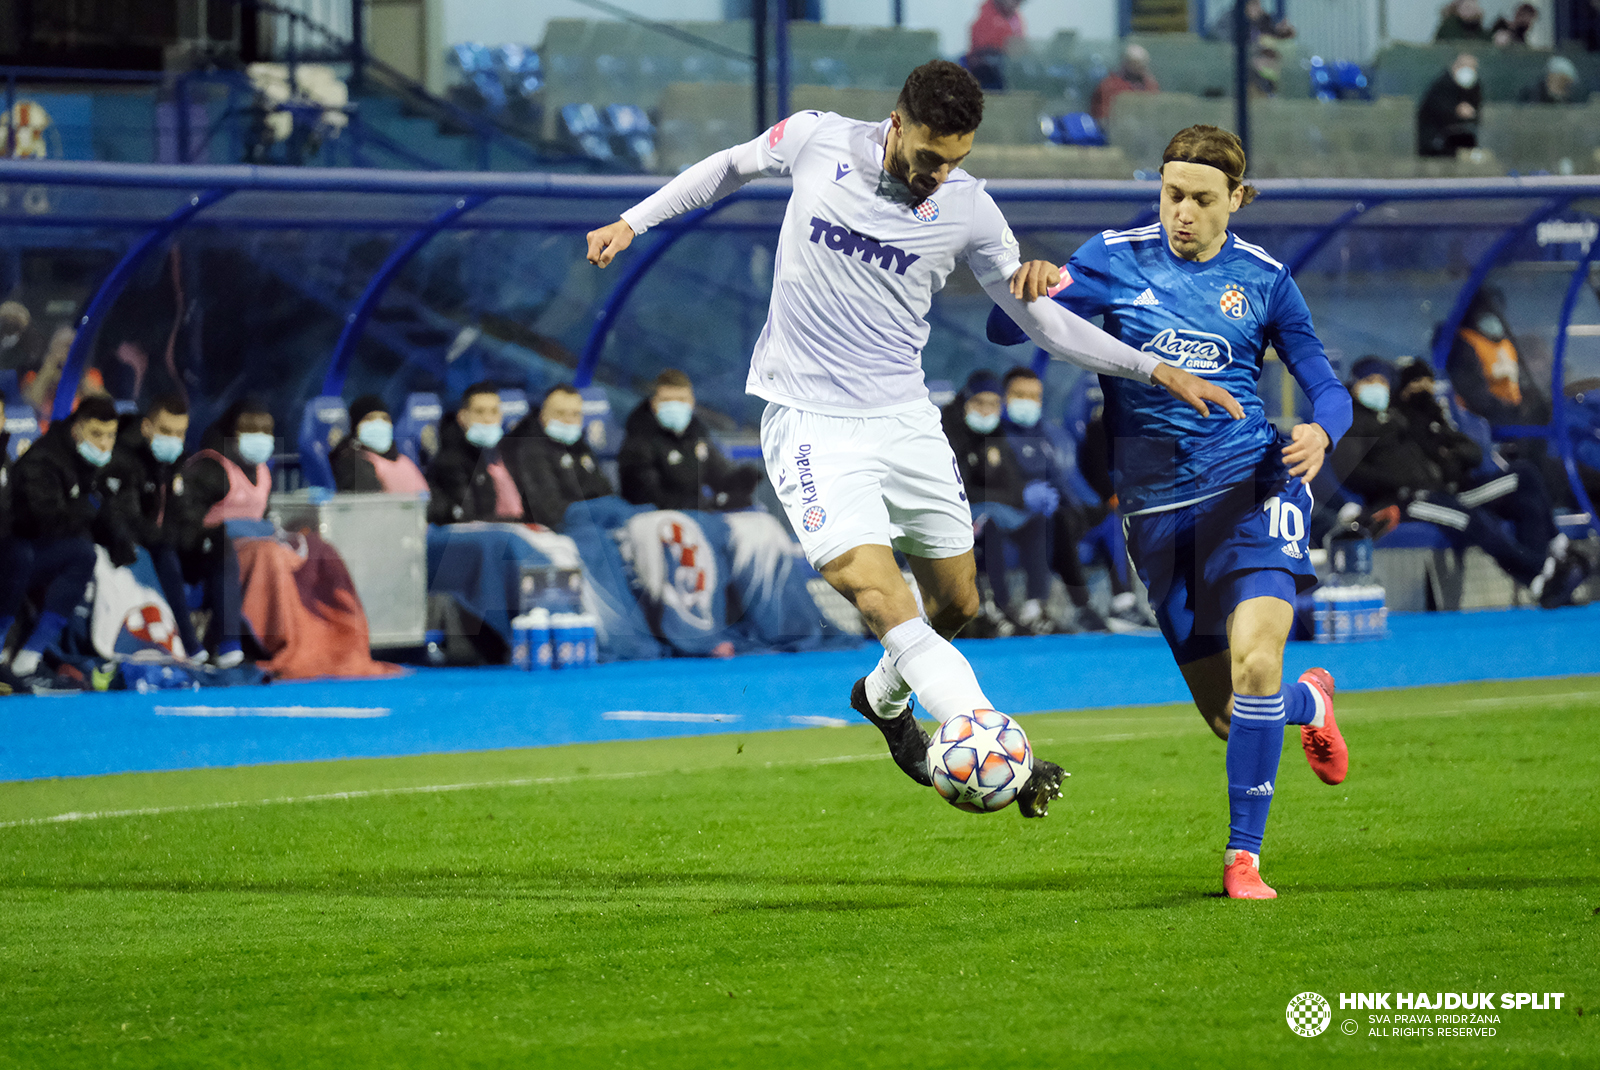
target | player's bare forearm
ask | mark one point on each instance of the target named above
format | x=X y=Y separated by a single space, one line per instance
x=1194 y=391
x=1034 y=280
x=1307 y=449
x=608 y=241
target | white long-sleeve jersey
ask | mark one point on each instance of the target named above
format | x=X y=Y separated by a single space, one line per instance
x=857 y=268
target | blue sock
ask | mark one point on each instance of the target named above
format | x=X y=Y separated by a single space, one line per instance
x=1299 y=707
x=1255 y=743
x=47 y=631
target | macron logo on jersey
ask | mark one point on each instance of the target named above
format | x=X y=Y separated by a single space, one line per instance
x=840 y=239
x=1193 y=351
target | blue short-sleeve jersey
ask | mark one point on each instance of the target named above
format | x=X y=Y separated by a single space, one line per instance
x=1215 y=319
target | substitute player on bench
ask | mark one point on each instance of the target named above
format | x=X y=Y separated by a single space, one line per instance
x=1215 y=510
x=879 y=215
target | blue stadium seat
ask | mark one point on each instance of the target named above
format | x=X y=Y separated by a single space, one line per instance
x=325 y=424
x=513 y=407
x=941 y=392
x=416 y=432
x=23 y=427
x=587 y=131
x=126 y=406
x=600 y=427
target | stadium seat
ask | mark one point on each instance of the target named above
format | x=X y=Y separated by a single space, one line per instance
x=416 y=432
x=325 y=424
x=126 y=406
x=600 y=426
x=23 y=427
x=513 y=407
x=582 y=126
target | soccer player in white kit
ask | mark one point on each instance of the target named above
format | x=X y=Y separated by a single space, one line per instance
x=879 y=215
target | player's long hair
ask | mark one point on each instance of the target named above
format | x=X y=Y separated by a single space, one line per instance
x=1214 y=147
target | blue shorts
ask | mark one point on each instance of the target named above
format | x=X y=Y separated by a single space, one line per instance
x=1200 y=561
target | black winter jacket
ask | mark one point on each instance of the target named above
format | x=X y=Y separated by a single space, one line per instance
x=461 y=488
x=988 y=466
x=150 y=492
x=549 y=475
x=1389 y=461
x=56 y=494
x=668 y=471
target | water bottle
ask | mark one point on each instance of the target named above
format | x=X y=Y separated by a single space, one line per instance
x=566 y=640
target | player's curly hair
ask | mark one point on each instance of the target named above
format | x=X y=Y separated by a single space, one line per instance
x=943 y=97
x=1214 y=147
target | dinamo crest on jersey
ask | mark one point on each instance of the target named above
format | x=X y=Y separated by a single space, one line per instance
x=1234 y=303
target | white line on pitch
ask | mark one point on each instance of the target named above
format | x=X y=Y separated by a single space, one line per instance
x=342 y=712
x=672 y=718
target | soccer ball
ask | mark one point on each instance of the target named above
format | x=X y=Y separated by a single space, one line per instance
x=980 y=761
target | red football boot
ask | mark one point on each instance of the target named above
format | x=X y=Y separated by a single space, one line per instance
x=1325 y=747
x=1241 y=878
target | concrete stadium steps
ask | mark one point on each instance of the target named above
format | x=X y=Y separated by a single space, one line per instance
x=1310 y=138
x=1408 y=70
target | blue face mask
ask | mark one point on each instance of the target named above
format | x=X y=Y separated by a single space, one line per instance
x=1374 y=396
x=566 y=434
x=94 y=454
x=1024 y=412
x=166 y=448
x=376 y=435
x=674 y=415
x=484 y=436
x=255 y=447
x=983 y=423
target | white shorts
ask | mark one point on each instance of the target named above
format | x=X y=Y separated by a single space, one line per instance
x=848 y=481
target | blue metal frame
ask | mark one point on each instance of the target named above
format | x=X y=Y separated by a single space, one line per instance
x=606 y=318
x=780 y=44
x=1558 y=392
x=107 y=293
x=1326 y=234
x=1480 y=271
x=356 y=322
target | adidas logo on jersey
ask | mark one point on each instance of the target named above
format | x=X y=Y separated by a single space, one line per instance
x=1263 y=790
x=1293 y=550
x=1146 y=298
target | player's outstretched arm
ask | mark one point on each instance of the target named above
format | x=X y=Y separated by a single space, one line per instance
x=1067 y=336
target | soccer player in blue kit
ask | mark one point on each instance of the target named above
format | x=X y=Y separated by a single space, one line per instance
x=1216 y=509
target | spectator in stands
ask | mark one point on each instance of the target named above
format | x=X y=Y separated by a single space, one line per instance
x=147 y=463
x=60 y=508
x=1514 y=31
x=228 y=480
x=5 y=482
x=1486 y=369
x=39 y=386
x=1462 y=20
x=1558 y=86
x=468 y=479
x=1047 y=458
x=1418 y=466
x=368 y=460
x=1004 y=511
x=551 y=462
x=997 y=30
x=1132 y=77
x=1447 y=119
x=19 y=342
x=668 y=459
x=1260 y=24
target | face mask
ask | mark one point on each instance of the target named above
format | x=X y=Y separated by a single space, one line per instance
x=376 y=435
x=255 y=447
x=1466 y=77
x=566 y=434
x=484 y=436
x=1491 y=326
x=94 y=455
x=1024 y=412
x=983 y=423
x=674 y=415
x=1374 y=396
x=167 y=448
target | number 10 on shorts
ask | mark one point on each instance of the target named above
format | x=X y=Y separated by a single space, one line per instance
x=1284 y=520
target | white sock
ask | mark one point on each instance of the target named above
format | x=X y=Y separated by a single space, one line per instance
x=1230 y=854
x=25 y=662
x=934 y=669
x=1320 y=718
x=887 y=690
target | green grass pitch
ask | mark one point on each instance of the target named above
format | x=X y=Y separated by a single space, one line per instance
x=789 y=899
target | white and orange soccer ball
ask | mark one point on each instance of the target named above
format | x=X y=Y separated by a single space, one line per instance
x=980 y=761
